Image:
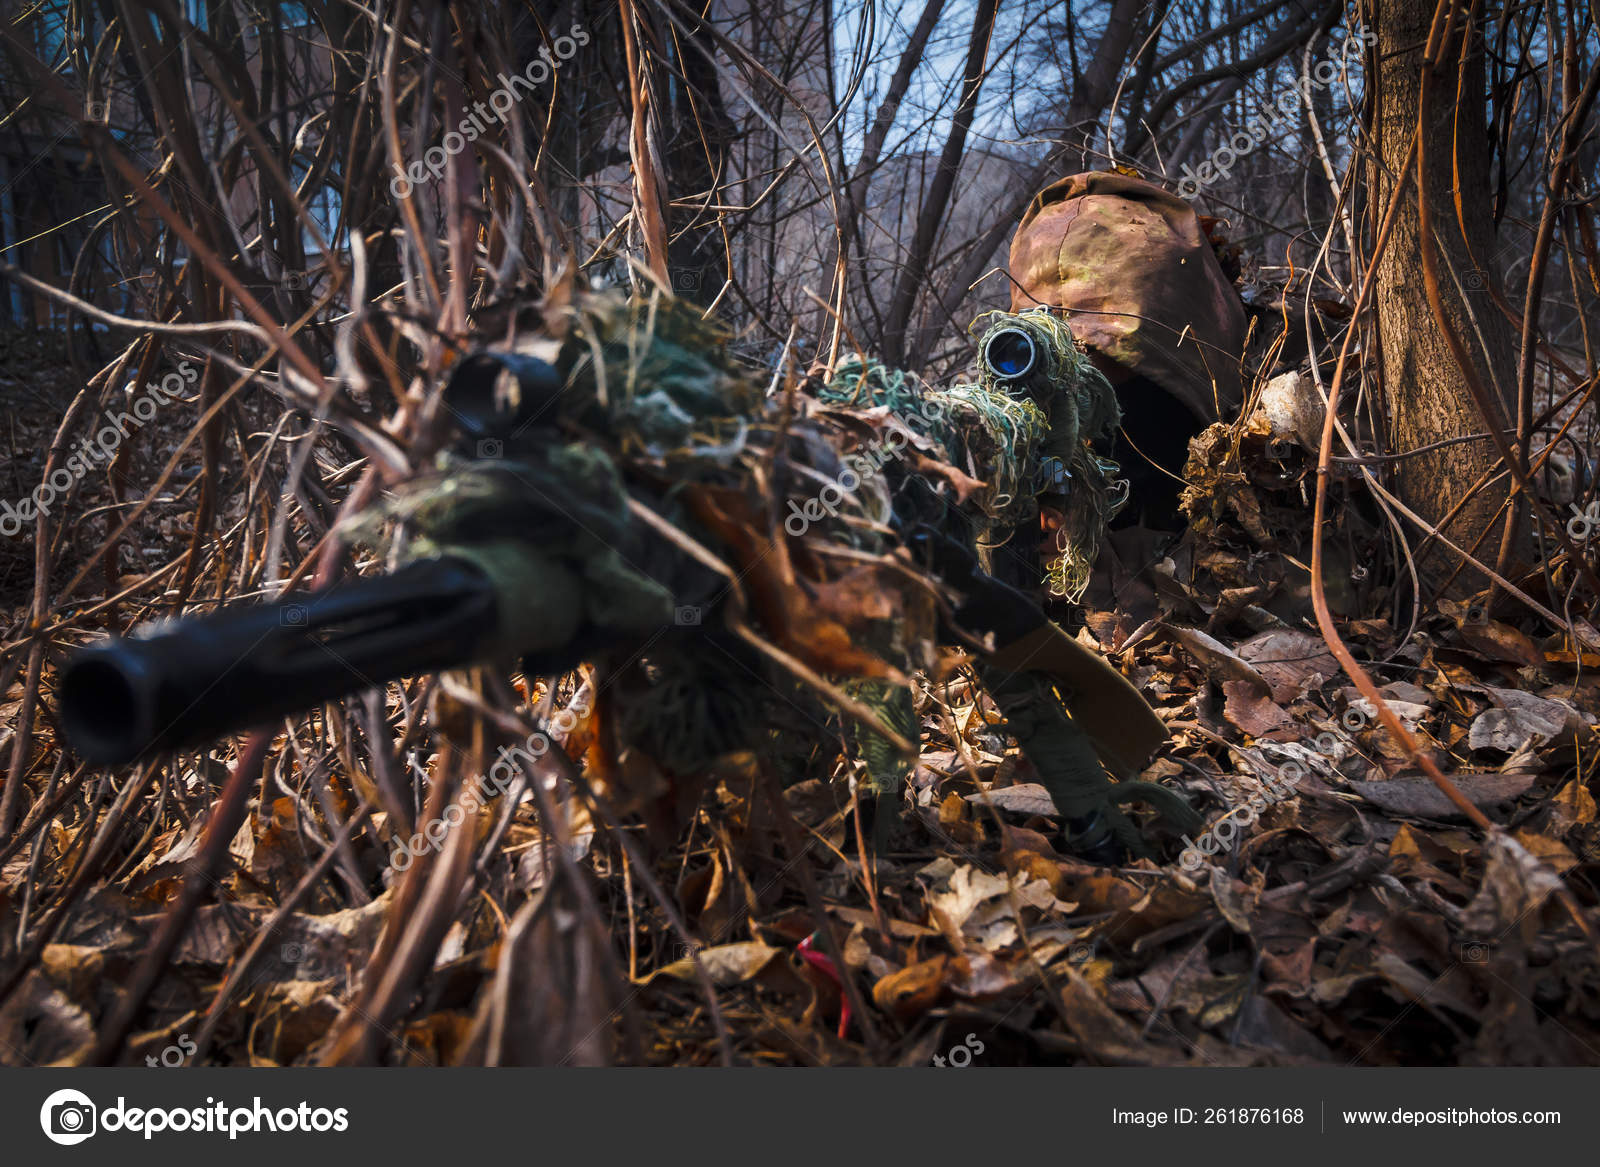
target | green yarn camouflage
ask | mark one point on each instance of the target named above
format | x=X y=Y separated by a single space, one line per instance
x=656 y=376
x=1029 y=439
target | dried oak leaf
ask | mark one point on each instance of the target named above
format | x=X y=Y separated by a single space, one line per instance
x=726 y=964
x=1419 y=797
x=1518 y=718
x=1499 y=641
x=1289 y=660
x=1023 y=798
x=1254 y=712
x=1218 y=660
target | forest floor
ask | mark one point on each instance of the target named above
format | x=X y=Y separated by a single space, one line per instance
x=1358 y=919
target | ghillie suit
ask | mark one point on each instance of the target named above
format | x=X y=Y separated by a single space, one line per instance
x=650 y=466
x=1016 y=444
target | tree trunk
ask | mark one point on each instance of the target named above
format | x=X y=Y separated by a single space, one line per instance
x=1427 y=395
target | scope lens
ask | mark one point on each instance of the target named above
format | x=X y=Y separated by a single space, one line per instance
x=1009 y=353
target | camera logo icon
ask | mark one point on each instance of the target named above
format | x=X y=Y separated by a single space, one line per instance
x=292 y=615
x=491 y=448
x=292 y=952
x=296 y=281
x=685 y=279
x=1474 y=952
x=686 y=616
x=67 y=1117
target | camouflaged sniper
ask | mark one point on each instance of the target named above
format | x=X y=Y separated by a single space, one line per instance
x=623 y=469
x=1026 y=428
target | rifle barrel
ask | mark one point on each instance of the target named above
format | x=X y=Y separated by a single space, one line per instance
x=202 y=678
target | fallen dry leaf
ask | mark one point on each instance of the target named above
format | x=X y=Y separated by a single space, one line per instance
x=1420 y=796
